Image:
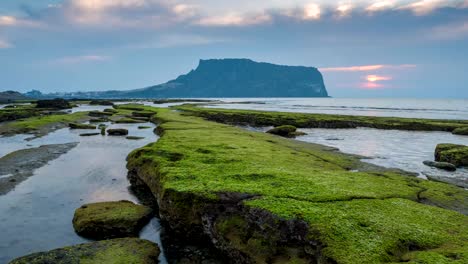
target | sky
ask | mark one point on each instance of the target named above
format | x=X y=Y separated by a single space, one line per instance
x=364 y=48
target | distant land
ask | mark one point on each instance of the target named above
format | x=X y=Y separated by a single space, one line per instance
x=11 y=96
x=224 y=78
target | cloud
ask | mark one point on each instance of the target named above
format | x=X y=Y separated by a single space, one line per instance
x=344 y=10
x=5 y=44
x=367 y=68
x=425 y=7
x=12 y=21
x=71 y=60
x=380 y=6
x=377 y=78
x=452 y=31
x=233 y=19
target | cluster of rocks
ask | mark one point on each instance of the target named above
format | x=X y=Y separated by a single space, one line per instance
x=54 y=104
x=449 y=157
x=286 y=131
x=116 y=226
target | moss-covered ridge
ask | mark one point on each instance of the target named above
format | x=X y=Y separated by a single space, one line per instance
x=206 y=174
x=305 y=120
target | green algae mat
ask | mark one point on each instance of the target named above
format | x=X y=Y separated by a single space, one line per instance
x=353 y=212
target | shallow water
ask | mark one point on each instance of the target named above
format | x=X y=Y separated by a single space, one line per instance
x=405 y=150
x=414 y=108
x=37 y=215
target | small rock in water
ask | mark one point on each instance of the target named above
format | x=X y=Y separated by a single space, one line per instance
x=134 y=138
x=111 y=219
x=440 y=165
x=117 y=132
x=89 y=134
x=12 y=180
x=333 y=139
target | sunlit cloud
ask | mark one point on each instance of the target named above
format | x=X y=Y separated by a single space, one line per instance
x=70 y=60
x=380 y=6
x=233 y=19
x=377 y=78
x=312 y=12
x=344 y=10
x=367 y=68
x=11 y=21
x=425 y=7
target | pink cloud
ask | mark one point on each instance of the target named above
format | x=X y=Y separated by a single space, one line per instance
x=367 y=68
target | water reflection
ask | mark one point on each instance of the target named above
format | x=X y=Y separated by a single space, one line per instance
x=37 y=215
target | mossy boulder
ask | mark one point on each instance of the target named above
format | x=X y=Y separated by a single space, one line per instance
x=110 y=110
x=81 y=126
x=111 y=219
x=461 y=131
x=101 y=102
x=99 y=120
x=54 y=104
x=89 y=134
x=284 y=131
x=117 y=132
x=115 y=251
x=452 y=153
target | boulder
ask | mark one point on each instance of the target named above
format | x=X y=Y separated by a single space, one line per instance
x=110 y=110
x=284 y=131
x=53 y=104
x=452 y=153
x=116 y=251
x=111 y=219
x=440 y=165
x=101 y=102
x=461 y=131
x=117 y=132
x=99 y=120
x=81 y=126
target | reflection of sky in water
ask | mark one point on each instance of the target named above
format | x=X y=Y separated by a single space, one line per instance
x=37 y=215
x=389 y=148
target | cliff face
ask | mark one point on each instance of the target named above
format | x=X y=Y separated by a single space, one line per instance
x=240 y=78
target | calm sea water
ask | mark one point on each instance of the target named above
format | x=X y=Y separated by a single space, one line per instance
x=415 y=108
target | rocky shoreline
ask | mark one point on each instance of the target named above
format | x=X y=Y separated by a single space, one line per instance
x=250 y=224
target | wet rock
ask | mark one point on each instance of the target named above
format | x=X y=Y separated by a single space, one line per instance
x=457 y=181
x=440 y=165
x=461 y=131
x=103 y=130
x=99 y=120
x=81 y=126
x=452 y=153
x=146 y=119
x=144 y=127
x=134 y=138
x=122 y=250
x=117 y=132
x=111 y=219
x=53 y=104
x=101 y=102
x=284 y=131
x=89 y=134
x=99 y=114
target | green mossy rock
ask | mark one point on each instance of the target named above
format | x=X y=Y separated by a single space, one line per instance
x=441 y=165
x=99 y=120
x=115 y=251
x=451 y=153
x=284 y=131
x=110 y=110
x=81 y=126
x=143 y=114
x=461 y=131
x=53 y=104
x=298 y=202
x=111 y=219
x=101 y=102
